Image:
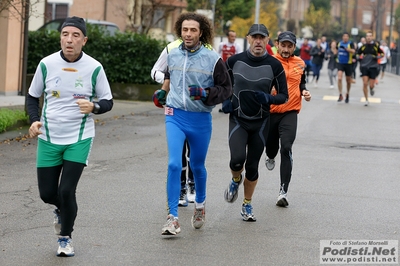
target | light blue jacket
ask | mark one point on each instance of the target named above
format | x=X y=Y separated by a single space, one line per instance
x=190 y=68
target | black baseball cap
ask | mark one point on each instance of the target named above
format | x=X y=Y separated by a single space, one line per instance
x=287 y=36
x=258 y=29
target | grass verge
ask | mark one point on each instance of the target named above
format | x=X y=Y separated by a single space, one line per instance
x=10 y=118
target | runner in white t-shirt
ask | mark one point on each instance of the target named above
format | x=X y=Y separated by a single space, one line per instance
x=383 y=61
x=69 y=81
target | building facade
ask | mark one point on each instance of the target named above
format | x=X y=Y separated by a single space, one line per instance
x=126 y=14
x=361 y=14
x=11 y=50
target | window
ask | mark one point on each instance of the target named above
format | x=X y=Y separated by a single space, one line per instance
x=388 y=19
x=158 y=19
x=367 y=17
x=56 y=10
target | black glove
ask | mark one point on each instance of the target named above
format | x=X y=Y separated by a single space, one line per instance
x=262 y=97
x=227 y=106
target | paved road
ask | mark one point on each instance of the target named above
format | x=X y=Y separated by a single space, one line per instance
x=345 y=186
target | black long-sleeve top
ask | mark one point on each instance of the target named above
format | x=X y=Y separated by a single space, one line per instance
x=249 y=74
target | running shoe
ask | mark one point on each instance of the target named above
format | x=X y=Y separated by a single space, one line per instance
x=270 y=163
x=191 y=195
x=183 y=200
x=172 y=226
x=331 y=87
x=199 y=218
x=231 y=193
x=347 y=98
x=247 y=213
x=282 y=200
x=371 y=91
x=366 y=103
x=65 y=248
x=57 y=222
x=340 y=98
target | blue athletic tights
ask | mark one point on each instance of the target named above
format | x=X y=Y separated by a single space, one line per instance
x=196 y=128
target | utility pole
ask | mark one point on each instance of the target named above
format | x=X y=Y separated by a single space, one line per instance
x=257 y=15
x=391 y=22
x=213 y=2
x=355 y=7
x=25 y=19
x=341 y=16
x=345 y=14
x=105 y=10
x=378 y=30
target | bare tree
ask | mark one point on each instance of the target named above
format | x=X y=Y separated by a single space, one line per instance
x=142 y=15
x=15 y=10
x=377 y=8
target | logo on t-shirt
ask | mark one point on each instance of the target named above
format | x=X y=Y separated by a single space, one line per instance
x=79 y=83
x=55 y=94
x=69 y=69
x=79 y=96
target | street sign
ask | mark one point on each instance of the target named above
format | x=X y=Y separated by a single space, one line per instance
x=354 y=31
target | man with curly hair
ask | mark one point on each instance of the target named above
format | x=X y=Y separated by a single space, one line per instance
x=196 y=80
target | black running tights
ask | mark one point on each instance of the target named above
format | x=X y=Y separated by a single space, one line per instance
x=61 y=192
x=247 y=139
x=283 y=127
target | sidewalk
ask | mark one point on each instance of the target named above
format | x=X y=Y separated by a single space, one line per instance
x=11 y=101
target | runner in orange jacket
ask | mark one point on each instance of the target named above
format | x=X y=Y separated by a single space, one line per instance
x=283 y=118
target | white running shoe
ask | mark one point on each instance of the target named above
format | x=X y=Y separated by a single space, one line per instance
x=57 y=222
x=366 y=103
x=199 y=217
x=282 y=200
x=172 y=226
x=270 y=163
x=247 y=213
x=65 y=248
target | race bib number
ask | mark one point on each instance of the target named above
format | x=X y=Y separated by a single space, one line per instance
x=169 y=111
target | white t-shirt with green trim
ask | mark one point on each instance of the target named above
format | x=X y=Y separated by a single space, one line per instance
x=62 y=84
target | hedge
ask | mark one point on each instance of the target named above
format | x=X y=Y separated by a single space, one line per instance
x=126 y=57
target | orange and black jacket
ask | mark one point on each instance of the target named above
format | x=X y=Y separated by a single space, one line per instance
x=296 y=82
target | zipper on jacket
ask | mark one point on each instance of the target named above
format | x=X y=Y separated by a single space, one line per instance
x=184 y=81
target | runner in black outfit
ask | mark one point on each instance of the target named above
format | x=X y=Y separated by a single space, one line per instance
x=369 y=53
x=253 y=74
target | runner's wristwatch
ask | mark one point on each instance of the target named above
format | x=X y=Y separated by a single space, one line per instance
x=96 y=107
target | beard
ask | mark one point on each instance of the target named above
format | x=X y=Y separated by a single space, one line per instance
x=285 y=55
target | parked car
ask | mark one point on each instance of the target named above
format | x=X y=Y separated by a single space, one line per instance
x=109 y=27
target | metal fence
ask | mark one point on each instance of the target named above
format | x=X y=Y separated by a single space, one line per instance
x=393 y=65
